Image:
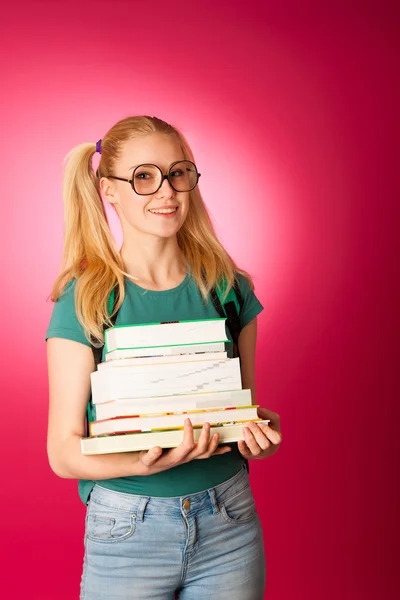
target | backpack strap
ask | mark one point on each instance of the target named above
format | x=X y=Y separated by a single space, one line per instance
x=229 y=309
x=97 y=349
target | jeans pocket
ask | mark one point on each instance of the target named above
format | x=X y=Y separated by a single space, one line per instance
x=104 y=524
x=239 y=508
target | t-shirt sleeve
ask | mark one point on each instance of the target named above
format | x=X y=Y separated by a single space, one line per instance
x=251 y=304
x=64 y=322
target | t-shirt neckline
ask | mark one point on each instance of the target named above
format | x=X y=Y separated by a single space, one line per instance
x=173 y=290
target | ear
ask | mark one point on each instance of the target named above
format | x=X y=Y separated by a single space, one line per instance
x=108 y=190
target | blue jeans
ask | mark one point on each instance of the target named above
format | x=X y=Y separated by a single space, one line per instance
x=203 y=546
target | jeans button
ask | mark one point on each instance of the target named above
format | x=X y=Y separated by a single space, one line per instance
x=186 y=504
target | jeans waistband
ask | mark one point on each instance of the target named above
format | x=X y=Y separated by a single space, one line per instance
x=191 y=503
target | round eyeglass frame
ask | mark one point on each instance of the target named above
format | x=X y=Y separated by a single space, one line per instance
x=131 y=181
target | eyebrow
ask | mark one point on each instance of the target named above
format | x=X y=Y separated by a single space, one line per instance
x=148 y=163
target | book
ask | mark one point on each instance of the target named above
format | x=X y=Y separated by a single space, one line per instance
x=151 y=422
x=176 y=403
x=197 y=349
x=153 y=360
x=155 y=376
x=165 y=379
x=133 y=442
x=177 y=333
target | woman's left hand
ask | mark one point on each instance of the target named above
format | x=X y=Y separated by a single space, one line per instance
x=261 y=440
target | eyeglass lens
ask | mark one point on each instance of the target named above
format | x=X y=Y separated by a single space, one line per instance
x=182 y=178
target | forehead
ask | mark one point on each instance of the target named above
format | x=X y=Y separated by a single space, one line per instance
x=156 y=149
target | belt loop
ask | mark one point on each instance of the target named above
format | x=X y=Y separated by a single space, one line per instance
x=141 y=508
x=213 y=500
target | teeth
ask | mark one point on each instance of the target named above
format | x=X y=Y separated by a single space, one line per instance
x=163 y=211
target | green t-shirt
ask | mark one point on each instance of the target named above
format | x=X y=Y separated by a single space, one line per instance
x=181 y=303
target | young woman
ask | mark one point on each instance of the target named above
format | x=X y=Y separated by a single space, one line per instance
x=161 y=524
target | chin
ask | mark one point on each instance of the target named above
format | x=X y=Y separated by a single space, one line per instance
x=166 y=232
x=167 y=229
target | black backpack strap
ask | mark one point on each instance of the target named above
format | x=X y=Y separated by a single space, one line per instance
x=97 y=355
x=97 y=349
x=229 y=312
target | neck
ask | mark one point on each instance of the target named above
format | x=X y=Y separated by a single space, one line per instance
x=155 y=263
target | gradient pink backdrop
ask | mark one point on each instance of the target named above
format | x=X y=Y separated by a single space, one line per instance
x=289 y=108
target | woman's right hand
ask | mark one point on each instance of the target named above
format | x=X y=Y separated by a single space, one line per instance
x=156 y=459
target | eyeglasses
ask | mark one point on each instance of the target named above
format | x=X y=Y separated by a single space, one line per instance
x=147 y=179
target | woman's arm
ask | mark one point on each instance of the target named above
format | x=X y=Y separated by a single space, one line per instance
x=262 y=440
x=247 y=350
x=69 y=366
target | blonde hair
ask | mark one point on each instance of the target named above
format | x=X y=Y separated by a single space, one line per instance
x=90 y=255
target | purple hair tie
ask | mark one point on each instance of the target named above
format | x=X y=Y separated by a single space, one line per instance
x=98 y=146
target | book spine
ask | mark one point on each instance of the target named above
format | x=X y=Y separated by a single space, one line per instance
x=175 y=403
x=182 y=333
x=174 y=428
x=172 y=421
x=145 y=441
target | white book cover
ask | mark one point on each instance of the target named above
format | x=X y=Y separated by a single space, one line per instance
x=165 y=351
x=153 y=360
x=199 y=401
x=133 y=442
x=165 y=379
x=179 y=333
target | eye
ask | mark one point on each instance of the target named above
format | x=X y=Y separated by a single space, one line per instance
x=177 y=173
x=143 y=175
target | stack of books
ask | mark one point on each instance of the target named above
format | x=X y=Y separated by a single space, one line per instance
x=155 y=376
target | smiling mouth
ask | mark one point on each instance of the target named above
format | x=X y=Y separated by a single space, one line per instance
x=163 y=211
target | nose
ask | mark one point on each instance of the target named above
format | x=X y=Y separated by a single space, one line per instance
x=165 y=190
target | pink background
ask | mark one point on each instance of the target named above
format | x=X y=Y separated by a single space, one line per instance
x=290 y=113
